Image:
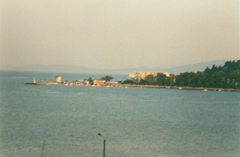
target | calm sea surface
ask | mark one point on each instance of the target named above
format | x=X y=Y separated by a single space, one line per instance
x=136 y=122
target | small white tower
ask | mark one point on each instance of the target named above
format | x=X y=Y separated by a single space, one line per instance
x=34 y=79
x=58 y=79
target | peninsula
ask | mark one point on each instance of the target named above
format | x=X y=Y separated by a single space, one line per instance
x=224 y=78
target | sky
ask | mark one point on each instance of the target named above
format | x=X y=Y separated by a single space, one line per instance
x=116 y=34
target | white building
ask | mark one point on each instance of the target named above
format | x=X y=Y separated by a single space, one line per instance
x=99 y=82
x=34 y=79
x=142 y=75
x=87 y=83
x=58 y=79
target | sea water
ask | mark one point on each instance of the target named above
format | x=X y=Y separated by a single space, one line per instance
x=58 y=120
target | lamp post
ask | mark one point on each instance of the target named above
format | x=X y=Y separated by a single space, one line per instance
x=104 y=143
x=42 y=147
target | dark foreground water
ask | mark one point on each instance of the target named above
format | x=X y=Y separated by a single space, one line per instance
x=136 y=122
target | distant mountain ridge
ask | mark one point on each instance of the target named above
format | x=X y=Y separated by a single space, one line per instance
x=79 y=69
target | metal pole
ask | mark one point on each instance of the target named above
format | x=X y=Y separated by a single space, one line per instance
x=104 y=146
x=42 y=148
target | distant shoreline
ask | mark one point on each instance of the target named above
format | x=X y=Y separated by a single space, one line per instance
x=139 y=86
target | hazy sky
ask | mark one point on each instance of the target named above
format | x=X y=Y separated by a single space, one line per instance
x=118 y=33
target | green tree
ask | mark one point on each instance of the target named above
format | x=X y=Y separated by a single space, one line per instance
x=107 y=78
x=150 y=80
x=129 y=82
x=143 y=82
x=162 y=80
x=90 y=79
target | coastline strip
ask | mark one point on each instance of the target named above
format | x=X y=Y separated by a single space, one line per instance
x=141 y=86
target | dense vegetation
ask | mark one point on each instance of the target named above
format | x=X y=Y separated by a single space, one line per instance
x=226 y=76
x=107 y=78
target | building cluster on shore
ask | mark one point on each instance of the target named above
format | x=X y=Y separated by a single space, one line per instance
x=58 y=80
x=137 y=76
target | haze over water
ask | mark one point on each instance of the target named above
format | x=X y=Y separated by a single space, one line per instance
x=136 y=122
